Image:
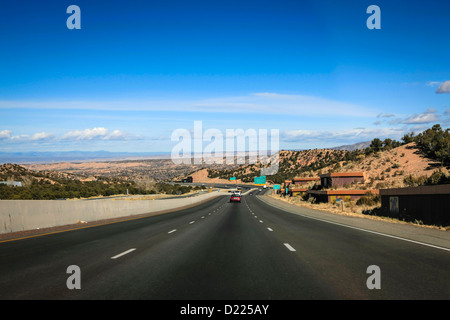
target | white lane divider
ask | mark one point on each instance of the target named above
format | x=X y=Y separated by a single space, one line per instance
x=171 y=231
x=287 y=245
x=123 y=253
x=191 y=222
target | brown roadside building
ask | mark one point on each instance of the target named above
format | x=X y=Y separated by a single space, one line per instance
x=429 y=204
x=340 y=179
x=304 y=180
x=336 y=195
x=299 y=185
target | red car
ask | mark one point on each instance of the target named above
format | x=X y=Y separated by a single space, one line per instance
x=235 y=198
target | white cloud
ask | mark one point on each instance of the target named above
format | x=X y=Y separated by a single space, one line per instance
x=385 y=115
x=94 y=134
x=117 y=135
x=41 y=136
x=433 y=83
x=5 y=134
x=444 y=87
x=87 y=134
x=422 y=118
x=350 y=135
x=19 y=138
x=76 y=135
x=260 y=102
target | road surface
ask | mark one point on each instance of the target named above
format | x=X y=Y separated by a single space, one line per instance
x=222 y=250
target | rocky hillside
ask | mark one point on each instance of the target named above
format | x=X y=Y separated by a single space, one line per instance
x=15 y=172
x=387 y=168
x=291 y=164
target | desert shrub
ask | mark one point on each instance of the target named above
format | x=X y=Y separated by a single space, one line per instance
x=381 y=185
x=412 y=181
x=369 y=199
x=438 y=177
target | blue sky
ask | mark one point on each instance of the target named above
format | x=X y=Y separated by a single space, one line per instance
x=138 y=70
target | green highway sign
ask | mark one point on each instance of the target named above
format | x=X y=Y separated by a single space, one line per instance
x=260 y=180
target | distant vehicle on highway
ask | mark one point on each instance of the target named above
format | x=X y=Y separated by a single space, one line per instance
x=235 y=198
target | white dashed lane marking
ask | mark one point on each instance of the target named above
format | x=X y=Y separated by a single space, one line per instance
x=123 y=253
x=287 y=245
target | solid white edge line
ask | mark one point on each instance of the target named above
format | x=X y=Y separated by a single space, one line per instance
x=360 y=229
x=381 y=234
x=287 y=245
x=123 y=253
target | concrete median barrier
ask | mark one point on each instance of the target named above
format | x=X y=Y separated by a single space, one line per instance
x=23 y=215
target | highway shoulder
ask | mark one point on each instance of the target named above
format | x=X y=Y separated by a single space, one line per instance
x=425 y=235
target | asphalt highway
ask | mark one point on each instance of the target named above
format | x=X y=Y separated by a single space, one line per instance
x=222 y=250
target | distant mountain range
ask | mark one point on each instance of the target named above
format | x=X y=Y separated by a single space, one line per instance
x=352 y=147
x=76 y=156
